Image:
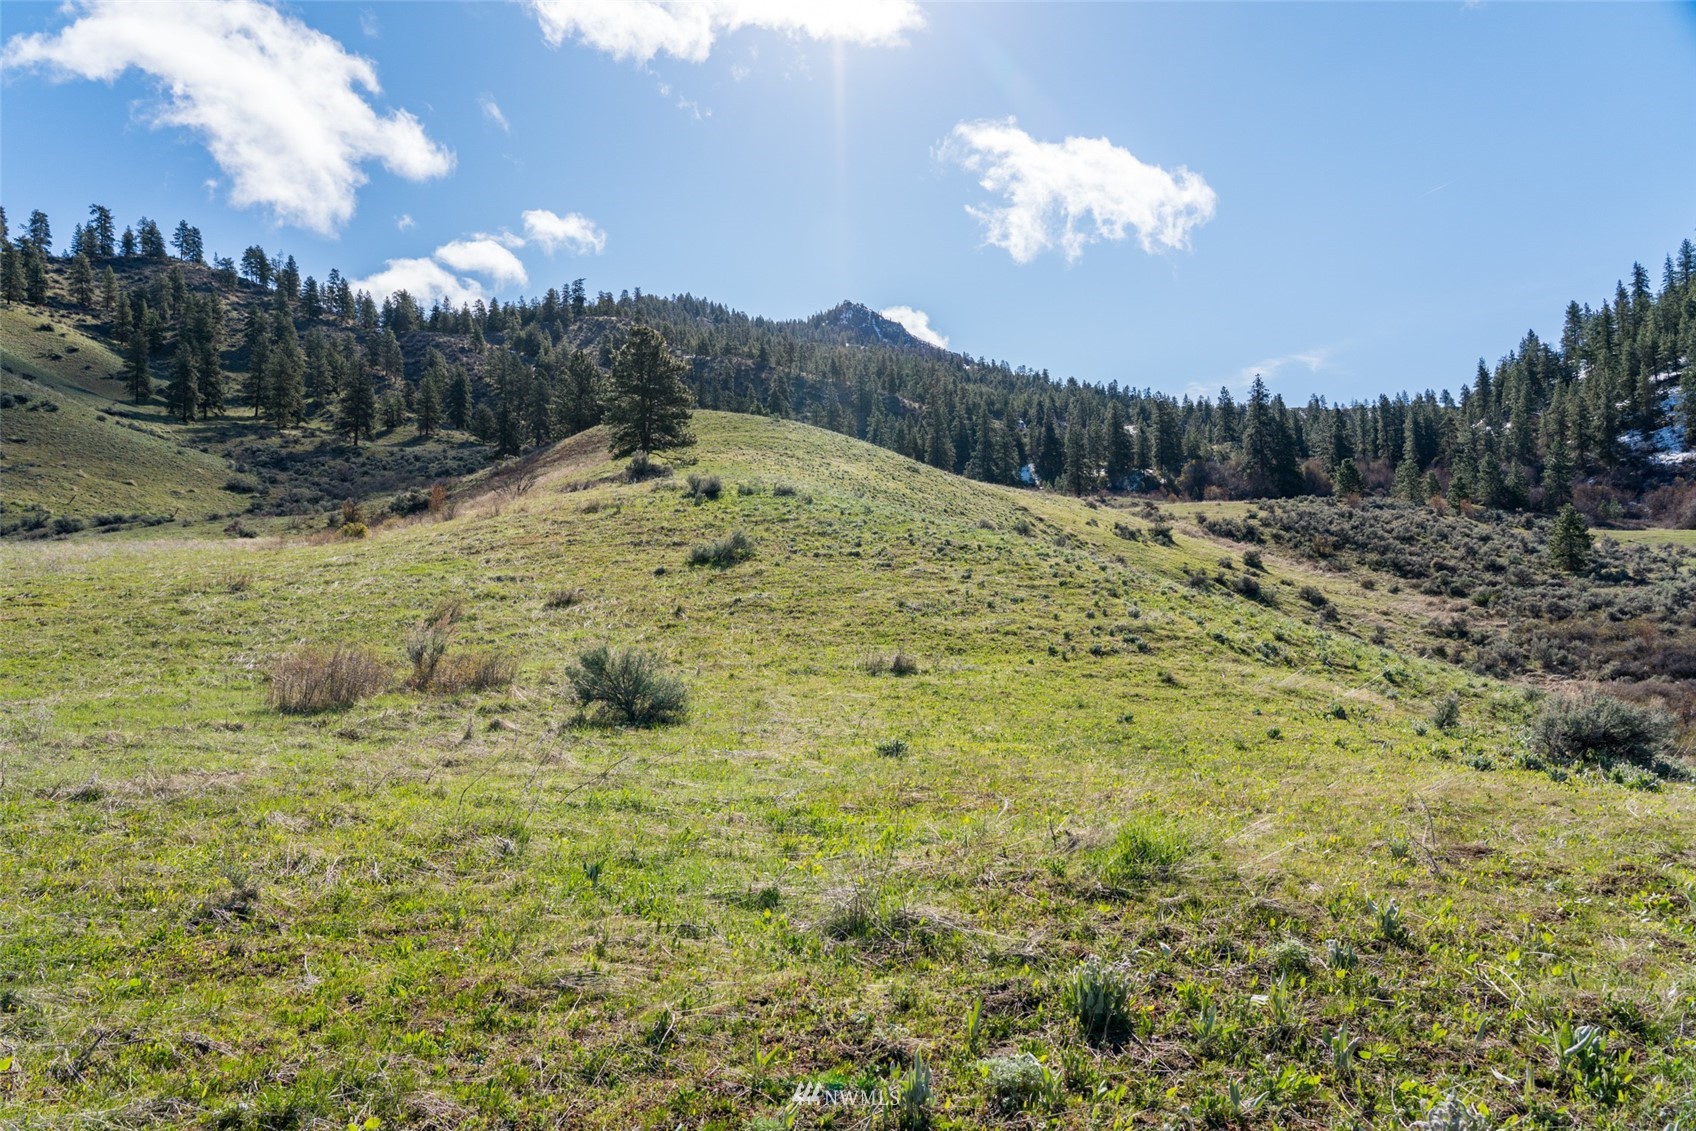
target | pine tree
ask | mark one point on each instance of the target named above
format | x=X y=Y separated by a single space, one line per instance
x=779 y=402
x=1078 y=476
x=1050 y=460
x=11 y=273
x=1410 y=484
x=458 y=403
x=186 y=240
x=82 y=281
x=258 y=339
x=102 y=231
x=1347 y=480
x=138 y=380
x=285 y=373
x=1569 y=542
x=39 y=232
x=1687 y=404
x=33 y=263
x=182 y=396
x=429 y=407
x=538 y=416
x=580 y=404
x=356 y=413
x=109 y=291
x=648 y=404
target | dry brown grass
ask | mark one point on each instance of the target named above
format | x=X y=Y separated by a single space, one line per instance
x=474 y=671
x=314 y=678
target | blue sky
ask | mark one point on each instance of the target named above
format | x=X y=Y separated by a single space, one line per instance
x=1347 y=198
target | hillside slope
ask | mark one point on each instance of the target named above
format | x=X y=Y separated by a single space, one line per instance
x=480 y=911
x=70 y=447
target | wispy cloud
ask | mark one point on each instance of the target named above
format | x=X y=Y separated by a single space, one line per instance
x=575 y=232
x=916 y=323
x=281 y=107
x=492 y=111
x=687 y=29
x=406 y=221
x=1073 y=193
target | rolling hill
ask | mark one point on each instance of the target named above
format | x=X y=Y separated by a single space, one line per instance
x=947 y=743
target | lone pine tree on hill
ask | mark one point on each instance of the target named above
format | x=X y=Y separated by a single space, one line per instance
x=648 y=404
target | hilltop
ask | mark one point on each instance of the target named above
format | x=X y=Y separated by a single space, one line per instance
x=946 y=740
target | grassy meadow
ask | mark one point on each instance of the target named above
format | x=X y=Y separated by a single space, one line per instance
x=482 y=910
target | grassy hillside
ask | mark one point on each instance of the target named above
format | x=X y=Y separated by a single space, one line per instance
x=482 y=911
x=71 y=447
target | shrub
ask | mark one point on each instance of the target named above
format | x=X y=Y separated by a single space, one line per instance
x=629 y=685
x=892 y=748
x=1313 y=596
x=1601 y=730
x=353 y=530
x=311 y=678
x=897 y=663
x=1019 y=1082
x=1145 y=848
x=242 y=485
x=410 y=501
x=486 y=670
x=723 y=553
x=643 y=466
x=426 y=641
x=704 y=488
x=1252 y=560
x=1446 y=714
x=783 y=490
x=564 y=598
x=1098 y=997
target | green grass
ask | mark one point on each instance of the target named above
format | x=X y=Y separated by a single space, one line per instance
x=480 y=912
x=95 y=454
x=1654 y=535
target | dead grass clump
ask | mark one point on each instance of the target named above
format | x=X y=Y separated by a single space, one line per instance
x=564 y=598
x=474 y=671
x=896 y=663
x=314 y=678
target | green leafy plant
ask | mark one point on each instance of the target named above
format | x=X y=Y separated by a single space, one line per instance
x=1098 y=997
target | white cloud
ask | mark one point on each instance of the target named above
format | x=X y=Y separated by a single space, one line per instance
x=916 y=323
x=687 y=29
x=484 y=256
x=502 y=237
x=281 y=107
x=1072 y=193
x=424 y=279
x=492 y=111
x=406 y=221
x=575 y=232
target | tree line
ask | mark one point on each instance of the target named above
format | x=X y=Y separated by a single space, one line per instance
x=1596 y=405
